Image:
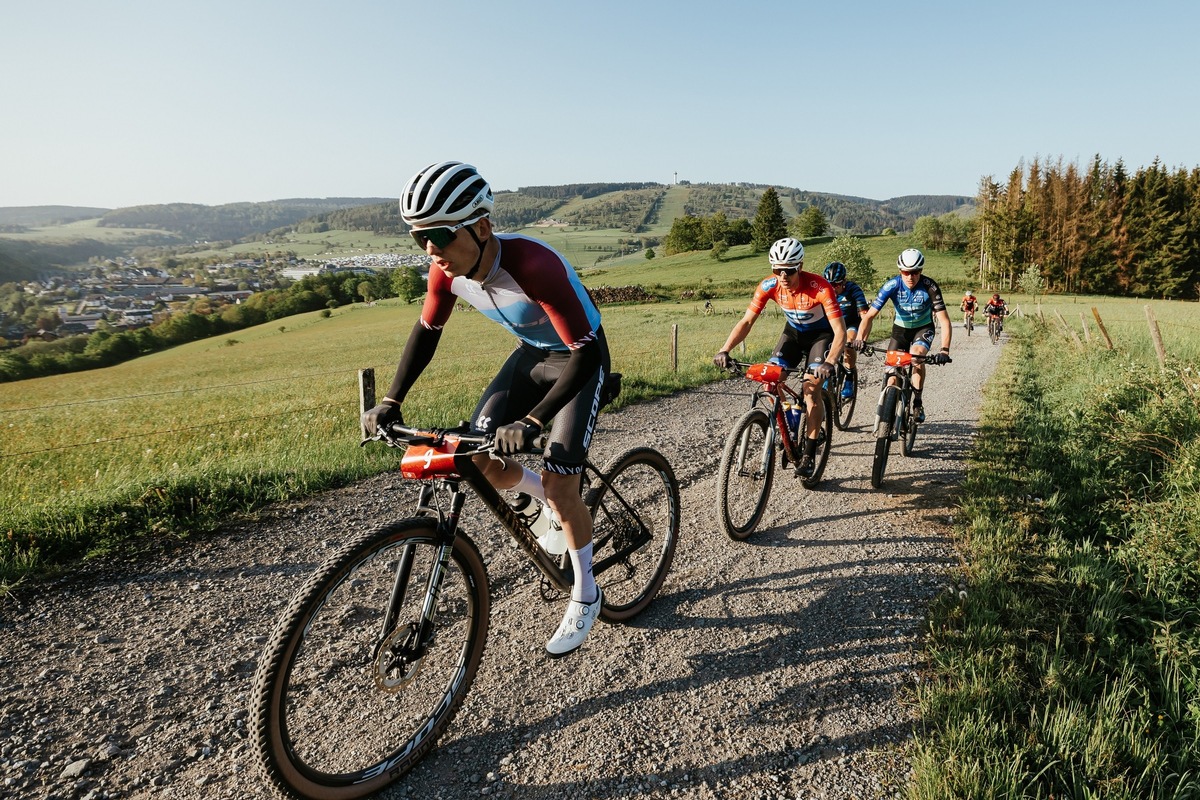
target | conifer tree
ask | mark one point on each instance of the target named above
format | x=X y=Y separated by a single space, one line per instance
x=768 y=225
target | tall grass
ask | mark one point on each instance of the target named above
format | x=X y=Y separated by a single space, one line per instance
x=1067 y=663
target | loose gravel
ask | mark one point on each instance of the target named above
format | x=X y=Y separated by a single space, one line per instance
x=780 y=667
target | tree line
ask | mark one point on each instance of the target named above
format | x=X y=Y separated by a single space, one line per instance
x=1099 y=231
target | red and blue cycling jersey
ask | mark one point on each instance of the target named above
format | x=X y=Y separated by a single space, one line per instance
x=531 y=290
x=915 y=307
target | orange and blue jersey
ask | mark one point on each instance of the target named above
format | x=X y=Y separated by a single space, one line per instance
x=808 y=309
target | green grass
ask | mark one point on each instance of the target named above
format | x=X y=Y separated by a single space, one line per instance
x=172 y=442
x=1066 y=663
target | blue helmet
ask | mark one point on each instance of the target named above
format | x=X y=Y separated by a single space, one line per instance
x=835 y=272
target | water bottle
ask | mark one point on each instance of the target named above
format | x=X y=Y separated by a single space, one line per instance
x=541 y=520
x=792 y=414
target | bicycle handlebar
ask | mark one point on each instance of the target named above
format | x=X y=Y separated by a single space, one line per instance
x=397 y=435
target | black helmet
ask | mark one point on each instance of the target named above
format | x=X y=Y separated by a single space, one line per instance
x=835 y=272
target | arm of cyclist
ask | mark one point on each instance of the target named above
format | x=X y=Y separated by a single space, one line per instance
x=736 y=336
x=864 y=328
x=418 y=352
x=947 y=328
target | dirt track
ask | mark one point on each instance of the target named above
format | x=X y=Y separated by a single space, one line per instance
x=772 y=668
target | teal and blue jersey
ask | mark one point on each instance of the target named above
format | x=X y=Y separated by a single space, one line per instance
x=915 y=307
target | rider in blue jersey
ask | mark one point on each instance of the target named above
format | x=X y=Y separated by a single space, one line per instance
x=918 y=301
x=853 y=303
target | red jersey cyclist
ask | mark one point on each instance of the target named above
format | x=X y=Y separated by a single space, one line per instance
x=969 y=305
x=555 y=374
x=813 y=337
x=997 y=307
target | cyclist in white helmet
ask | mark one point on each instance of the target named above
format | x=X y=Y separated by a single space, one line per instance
x=969 y=306
x=918 y=301
x=813 y=337
x=555 y=374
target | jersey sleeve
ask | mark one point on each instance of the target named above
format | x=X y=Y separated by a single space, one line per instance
x=439 y=300
x=857 y=298
x=764 y=292
x=885 y=292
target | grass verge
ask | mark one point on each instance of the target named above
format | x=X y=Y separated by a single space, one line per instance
x=1067 y=664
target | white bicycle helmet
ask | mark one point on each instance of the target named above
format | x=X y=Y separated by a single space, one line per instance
x=968 y=293
x=443 y=193
x=911 y=260
x=786 y=253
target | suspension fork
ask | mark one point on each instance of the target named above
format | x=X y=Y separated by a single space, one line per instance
x=447 y=527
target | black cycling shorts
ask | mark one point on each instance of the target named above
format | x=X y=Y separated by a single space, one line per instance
x=907 y=338
x=522 y=382
x=796 y=349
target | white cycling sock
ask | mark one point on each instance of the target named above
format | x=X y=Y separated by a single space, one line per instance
x=584 y=590
x=530 y=483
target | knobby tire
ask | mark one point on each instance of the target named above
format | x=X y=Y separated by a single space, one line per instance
x=747 y=469
x=333 y=716
x=883 y=440
x=825 y=444
x=845 y=405
x=635 y=529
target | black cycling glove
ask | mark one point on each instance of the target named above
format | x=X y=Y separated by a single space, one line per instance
x=939 y=358
x=823 y=370
x=723 y=360
x=517 y=437
x=381 y=416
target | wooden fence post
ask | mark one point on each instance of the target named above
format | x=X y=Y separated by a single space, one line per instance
x=1157 y=337
x=675 y=348
x=1087 y=335
x=366 y=393
x=1100 y=325
x=1068 y=328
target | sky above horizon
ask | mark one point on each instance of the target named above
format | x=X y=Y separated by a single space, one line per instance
x=138 y=102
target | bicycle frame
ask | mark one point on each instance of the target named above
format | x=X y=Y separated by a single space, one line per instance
x=445 y=460
x=772 y=395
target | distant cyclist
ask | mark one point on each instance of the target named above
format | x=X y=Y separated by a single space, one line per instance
x=813 y=337
x=554 y=375
x=969 y=306
x=998 y=308
x=853 y=303
x=918 y=301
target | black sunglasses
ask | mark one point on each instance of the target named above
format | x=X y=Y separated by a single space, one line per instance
x=785 y=271
x=440 y=236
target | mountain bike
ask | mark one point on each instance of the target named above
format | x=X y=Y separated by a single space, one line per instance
x=383 y=641
x=895 y=417
x=776 y=420
x=843 y=406
x=995 y=327
x=969 y=321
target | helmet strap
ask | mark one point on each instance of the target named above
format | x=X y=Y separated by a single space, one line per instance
x=470 y=275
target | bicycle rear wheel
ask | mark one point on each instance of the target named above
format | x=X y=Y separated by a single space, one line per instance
x=347 y=697
x=845 y=405
x=635 y=526
x=747 y=468
x=824 y=445
x=883 y=435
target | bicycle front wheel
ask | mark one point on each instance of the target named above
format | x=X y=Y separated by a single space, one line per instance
x=883 y=434
x=844 y=406
x=352 y=689
x=635 y=527
x=747 y=468
x=908 y=430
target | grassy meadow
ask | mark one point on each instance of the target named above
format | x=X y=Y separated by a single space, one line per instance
x=1066 y=663
x=171 y=442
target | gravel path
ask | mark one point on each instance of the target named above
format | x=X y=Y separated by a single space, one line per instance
x=777 y=667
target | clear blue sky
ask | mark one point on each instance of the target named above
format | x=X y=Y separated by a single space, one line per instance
x=133 y=101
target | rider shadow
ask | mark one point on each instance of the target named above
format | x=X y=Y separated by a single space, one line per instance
x=785 y=660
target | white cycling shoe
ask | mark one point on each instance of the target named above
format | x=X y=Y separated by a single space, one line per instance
x=575 y=626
